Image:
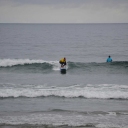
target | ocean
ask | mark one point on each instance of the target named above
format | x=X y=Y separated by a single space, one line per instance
x=92 y=93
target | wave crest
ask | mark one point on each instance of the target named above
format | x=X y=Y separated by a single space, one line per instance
x=73 y=67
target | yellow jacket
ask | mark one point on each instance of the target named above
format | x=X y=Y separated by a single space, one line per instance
x=62 y=60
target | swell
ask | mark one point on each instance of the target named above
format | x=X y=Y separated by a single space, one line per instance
x=82 y=64
x=93 y=66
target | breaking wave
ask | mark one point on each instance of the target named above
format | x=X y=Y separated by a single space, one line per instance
x=101 y=91
x=49 y=66
x=28 y=64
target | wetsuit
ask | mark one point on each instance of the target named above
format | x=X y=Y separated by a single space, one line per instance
x=109 y=59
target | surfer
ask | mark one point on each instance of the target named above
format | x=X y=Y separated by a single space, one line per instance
x=109 y=59
x=63 y=62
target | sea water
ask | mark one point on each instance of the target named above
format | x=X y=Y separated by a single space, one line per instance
x=92 y=93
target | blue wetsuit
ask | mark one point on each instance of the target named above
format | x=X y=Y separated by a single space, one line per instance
x=109 y=59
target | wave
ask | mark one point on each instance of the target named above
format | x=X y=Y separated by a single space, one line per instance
x=28 y=64
x=49 y=66
x=64 y=119
x=18 y=62
x=114 y=67
x=101 y=91
x=15 y=62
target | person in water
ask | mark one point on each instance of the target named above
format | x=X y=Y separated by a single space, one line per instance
x=109 y=59
x=63 y=62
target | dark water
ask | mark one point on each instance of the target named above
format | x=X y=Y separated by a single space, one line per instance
x=92 y=93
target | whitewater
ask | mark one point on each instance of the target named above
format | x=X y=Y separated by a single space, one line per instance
x=103 y=91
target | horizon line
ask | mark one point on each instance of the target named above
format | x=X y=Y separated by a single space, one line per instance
x=67 y=23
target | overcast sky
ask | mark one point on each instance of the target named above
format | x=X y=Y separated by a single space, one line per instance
x=63 y=11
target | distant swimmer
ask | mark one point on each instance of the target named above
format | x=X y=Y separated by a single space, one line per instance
x=109 y=59
x=63 y=62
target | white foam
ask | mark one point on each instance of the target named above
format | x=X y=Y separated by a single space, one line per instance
x=60 y=119
x=108 y=125
x=12 y=62
x=95 y=91
x=111 y=113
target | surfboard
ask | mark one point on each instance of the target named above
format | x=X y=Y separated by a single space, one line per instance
x=63 y=69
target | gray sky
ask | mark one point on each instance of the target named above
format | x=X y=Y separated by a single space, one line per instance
x=63 y=11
